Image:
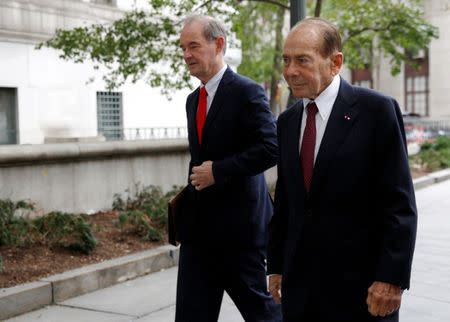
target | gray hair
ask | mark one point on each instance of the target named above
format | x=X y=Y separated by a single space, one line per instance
x=212 y=28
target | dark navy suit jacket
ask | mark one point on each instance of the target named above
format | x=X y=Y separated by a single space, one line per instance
x=358 y=224
x=239 y=136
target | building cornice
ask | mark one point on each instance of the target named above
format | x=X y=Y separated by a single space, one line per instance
x=32 y=21
x=74 y=152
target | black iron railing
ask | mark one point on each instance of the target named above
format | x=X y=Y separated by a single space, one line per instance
x=420 y=130
x=150 y=133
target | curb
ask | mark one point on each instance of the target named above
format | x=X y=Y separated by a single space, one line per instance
x=431 y=179
x=53 y=289
x=56 y=288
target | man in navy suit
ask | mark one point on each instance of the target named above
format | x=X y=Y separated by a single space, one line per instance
x=342 y=235
x=224 y=226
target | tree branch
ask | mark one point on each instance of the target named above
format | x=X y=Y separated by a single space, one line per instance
x=204 y=4
x=360 y=31
x=318 y=8
x=276 y=3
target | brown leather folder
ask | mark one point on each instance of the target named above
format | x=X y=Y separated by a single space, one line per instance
x=174 y=210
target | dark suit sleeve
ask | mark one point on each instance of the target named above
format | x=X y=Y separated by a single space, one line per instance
x=396 y=202
x=278 y=224
x=259 y=127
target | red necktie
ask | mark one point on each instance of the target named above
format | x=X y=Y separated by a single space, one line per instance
x=201 y=113
x=308 y=145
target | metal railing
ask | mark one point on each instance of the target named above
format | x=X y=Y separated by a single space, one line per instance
x=420 y=130
x=151 y=133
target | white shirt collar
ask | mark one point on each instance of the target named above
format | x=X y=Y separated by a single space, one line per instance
x=213 y=83
x=326 y=99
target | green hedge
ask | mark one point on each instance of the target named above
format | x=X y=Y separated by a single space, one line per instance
x=144 y=211
x=434 y=155
x=55 y=229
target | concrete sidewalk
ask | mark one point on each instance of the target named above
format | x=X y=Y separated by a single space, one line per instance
x=429 y=297
x=146 y=299
x=152 y=297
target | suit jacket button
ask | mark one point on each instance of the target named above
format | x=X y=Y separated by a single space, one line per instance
x=308 y=213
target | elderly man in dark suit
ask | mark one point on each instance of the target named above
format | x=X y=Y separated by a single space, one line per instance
x=343 y=232
x=224 y=226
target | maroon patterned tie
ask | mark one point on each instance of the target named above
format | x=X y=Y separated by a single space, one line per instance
x=308 y=145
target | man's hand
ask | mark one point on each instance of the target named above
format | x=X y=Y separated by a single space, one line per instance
x=275 y=287
x=383 y=298
x=202 y=176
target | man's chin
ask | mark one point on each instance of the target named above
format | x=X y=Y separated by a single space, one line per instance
x=194 y=72
x=298 y=93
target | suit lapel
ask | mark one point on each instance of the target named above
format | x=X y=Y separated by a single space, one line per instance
x=219 y=98
x=342 y=118
x=292 y=139
x=192 y=125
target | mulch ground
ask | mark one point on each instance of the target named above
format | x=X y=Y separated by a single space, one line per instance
x=27 y=264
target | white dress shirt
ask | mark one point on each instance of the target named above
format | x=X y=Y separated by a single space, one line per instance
x=212 y=85
x=324 y=102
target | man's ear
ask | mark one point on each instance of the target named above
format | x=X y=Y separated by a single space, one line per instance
x=220 y=43
x=337 y=60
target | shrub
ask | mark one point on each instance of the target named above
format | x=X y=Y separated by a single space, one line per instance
x=433 y=155
x=14 y=231
x=145 y=211
x=140 y=222
x=55 y=229
x=67 y=231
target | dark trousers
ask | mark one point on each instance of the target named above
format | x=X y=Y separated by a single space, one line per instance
x=204 y=274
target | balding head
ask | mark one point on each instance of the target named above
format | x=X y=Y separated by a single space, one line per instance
x=330 y=39
x=312 y=57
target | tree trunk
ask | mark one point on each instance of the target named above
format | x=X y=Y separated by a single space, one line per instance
x=318 y=8
x=276 y=67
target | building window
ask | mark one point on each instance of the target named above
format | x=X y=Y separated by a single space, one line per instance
x=109 y=115
x=416 y=85
x=8 y=107
x=362 y=77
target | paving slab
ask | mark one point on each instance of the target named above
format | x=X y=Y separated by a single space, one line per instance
x=228 y=313
x=58 y=313
x=150 y=298
x=429 y=297
x=138 y=297
x=422 y=309
x=163 y=315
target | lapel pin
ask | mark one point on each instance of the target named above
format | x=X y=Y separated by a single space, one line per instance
x=347 y=117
